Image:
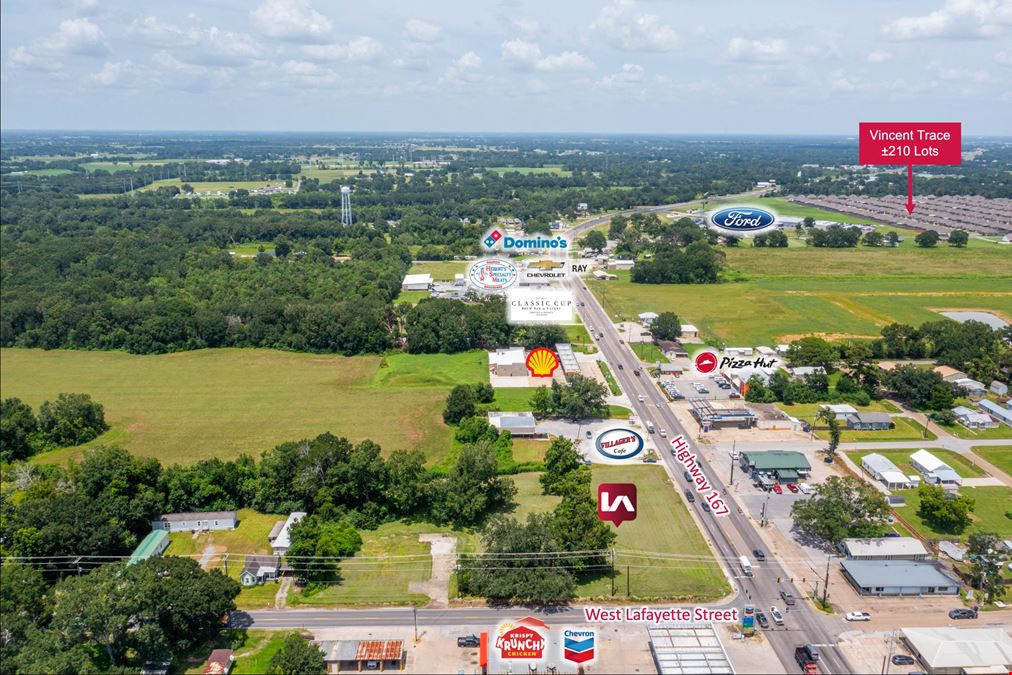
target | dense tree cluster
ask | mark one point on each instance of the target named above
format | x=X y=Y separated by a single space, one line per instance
x=114 y=618
x=697 y=263
x=580 y=398
x=774 y=239
x=835 y=236
x=944 y=511
x=71 y=419
x=970 y=346
x=667 y=326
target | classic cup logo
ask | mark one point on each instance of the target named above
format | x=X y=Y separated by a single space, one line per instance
x=493 y=274
x=616 y=502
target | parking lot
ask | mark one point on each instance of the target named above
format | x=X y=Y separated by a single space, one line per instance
x=691 y=385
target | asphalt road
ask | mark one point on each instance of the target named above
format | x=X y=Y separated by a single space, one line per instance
x=732 y=535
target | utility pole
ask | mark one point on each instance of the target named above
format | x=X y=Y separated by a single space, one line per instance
x=764 y=520
x=889 y=656
x=226 y=564
x=825 y=585
x=414 y=613
x=627 y=579
x=613 y=571
x=734 y=454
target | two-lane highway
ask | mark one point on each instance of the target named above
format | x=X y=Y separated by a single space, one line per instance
x=732 y=535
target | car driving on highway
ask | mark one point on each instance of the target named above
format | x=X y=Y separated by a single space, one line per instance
x=778 y=618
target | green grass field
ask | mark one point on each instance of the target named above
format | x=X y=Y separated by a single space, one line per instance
x=901 y=458
x=529 y=450
x=774 y=295
x=648 y=352
x=41 y=173
x=991 y=504
x=220 y=403
x=999 y=432
x=251 y=249
x=367 y=580
x=441 y=270
x=999 y=455
x=211 y=186
x=662 y=552
x=905 y=429
x=553 y=169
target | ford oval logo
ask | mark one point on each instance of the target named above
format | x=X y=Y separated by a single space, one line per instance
x=492 y=274
x=743 y=219
x=619 y=443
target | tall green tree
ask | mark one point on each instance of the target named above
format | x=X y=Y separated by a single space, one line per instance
x=17 y=424
x=927 y=239
x=595 y=241
x=564 y=468
x=943 y=511
x=829 y=418
x=840 y=508
x=958 y=238
x=984 y=550
x=666 y=326
x=317 y=545
x=297 y=656
x=459 y=404
x=72 y=419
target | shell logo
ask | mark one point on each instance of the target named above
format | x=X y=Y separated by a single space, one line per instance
x=542 y=362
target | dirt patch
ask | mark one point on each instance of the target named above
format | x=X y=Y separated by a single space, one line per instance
x=443 y=548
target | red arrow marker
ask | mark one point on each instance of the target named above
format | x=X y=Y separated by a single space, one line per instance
x=910 y=188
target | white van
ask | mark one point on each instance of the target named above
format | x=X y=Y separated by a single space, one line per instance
x=805 y=488
x=746 y=566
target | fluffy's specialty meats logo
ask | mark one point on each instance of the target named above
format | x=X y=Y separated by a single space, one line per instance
x=522 y=639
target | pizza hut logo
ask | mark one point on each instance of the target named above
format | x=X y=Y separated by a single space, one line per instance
x=521 y=639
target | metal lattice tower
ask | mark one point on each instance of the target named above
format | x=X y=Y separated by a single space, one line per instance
x=345 y=205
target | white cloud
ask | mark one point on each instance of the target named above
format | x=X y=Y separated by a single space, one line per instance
x=955 y=19
x=952 y=74
x=527 y=27
x=879 y=56
x=757 y=51
x=74 y=37
x=307 y=73
x=526 y=55
x=219 y=48
x=838 y=81
x=157 y=33
x=86 y=7
x=416 y=30
x=623 y=28
x=414 y=56
x=465 y=70
x=291 y=20
x=363 y=49
x=123 y=74
x=631 y=73
x=1004 y=57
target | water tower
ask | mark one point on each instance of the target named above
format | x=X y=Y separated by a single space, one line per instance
x=345 y=205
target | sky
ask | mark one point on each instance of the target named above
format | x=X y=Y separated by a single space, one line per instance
x=604 y=66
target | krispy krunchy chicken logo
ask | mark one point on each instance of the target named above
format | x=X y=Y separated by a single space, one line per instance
x=521 y=641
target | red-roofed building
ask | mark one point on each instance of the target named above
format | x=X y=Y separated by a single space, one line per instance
x=220 y=662
x=355 y=655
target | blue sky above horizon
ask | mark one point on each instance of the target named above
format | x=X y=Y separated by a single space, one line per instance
x=650 y=66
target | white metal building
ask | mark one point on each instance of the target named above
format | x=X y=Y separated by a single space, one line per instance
x=885 y=471
x=934 y=470
x=508 y=362
x=688 y=648
x=884 y=548
x=898 y=577
x=416 y=282
x=998 y=412
x=195 y=521
x=284 y=538
x=953 y=651
x=973 y=419
x=647 y=318
x=517 y=423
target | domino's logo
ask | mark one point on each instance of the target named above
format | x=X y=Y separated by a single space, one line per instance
x=493 y=237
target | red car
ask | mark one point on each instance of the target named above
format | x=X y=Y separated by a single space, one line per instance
x=792 y=487
x=776 y=488
x=734 y=394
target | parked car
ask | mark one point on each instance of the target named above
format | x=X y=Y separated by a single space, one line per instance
x=704 y=390
x=760 y=617
x=734 y=394
x=690 y=496
x=962 y=614
x=902 y=660
x=806 y=427
x=805 y=488
x=792 y=487
x=828 y=459
x=778 y=618
x=776 y=488
x=893 y=534
x=788 y=598
x=758 y=554
x=590 y=434
x=649 y=459
x=858 y=616
x=468 y=641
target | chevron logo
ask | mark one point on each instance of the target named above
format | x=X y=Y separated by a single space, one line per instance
x=578 y=646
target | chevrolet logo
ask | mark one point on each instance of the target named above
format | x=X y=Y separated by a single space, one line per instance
x=546 y=264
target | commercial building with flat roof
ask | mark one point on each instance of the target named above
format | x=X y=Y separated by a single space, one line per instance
x=892 y=577
x=783 y=465
x=955 y=651
x=517 y=423
x=508 y=362
x=416 y=282
x=884 y=548
x=567 y=359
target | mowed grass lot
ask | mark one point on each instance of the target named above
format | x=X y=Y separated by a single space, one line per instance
x=221 y=403
x=999 y=432
x=901 y=458
x=441 y=270
x=662 y=551
x=991 y=504
x=999 y=455
x=773 y=295
x=553 y=169
x=212 y=186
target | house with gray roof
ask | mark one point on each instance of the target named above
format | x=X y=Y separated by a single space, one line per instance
x=869 y=421
x=998 y=412
x=517 y=423
x=196 y=521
